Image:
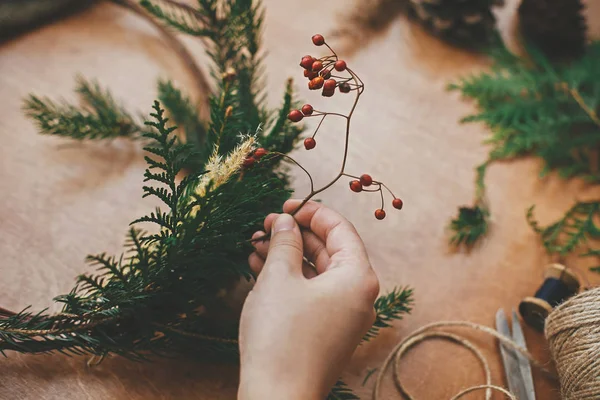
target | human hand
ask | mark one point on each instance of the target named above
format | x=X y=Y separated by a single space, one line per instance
x=300 y=326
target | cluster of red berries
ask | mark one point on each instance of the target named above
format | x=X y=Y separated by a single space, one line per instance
x=296 y=116
x=255 y=156
x=365 y=180
x=318 y=71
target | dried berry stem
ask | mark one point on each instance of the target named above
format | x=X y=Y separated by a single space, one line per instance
x=348 y=117
x=317 y=70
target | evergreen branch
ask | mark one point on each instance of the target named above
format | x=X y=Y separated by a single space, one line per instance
x=469 y=226
x=178 y=15
x=100 y=118
x=200 y=247
x=110 y=264
x=185 y=114
x=341 y=391
x=570 y=232
x=535 y=108
x=283 y=135
x=390 y=307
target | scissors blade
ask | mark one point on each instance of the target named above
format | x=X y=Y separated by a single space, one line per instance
x=524 y=364
x=509 y=358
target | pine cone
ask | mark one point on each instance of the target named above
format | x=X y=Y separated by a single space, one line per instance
x=556 y=27
x=467 y=23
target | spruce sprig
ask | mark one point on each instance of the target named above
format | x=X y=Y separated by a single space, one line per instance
x=341 y=391
x=533 y=108
x=389 y=307
x=101 y=117
x=576 y=231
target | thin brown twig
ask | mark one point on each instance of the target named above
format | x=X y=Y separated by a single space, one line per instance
x=55 y=331
x=577 y=96
x=195 y=335
x=313 y=192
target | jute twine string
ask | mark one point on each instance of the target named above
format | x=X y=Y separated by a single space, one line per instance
x=432 y=331
x=573 y=333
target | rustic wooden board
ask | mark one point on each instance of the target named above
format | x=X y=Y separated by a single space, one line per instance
x=61 y=201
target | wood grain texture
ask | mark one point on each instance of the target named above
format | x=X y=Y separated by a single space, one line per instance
x=60 y=201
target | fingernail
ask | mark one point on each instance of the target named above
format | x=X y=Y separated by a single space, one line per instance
x=285 y=222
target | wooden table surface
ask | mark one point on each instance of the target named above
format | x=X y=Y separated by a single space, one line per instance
x=61 y=201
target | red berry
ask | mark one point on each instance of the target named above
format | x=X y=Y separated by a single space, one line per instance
x=397 y=203
x=327 y=93
x=260 y=153
x=355 y=186
x=311 y=85
x=366 y=180
x=306 y=62
x=318 y=40
x=345 y=87
x=340 y=65
x=309 y=143
x=379 y=214
x=329 y=84
x=307 y=109
x=248 y=162
x=317 y=66
x=309 y=74
x=295 y=116
x=325 y=73
x=318 y=82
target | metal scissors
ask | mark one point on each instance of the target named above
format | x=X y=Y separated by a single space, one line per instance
x=516 y=366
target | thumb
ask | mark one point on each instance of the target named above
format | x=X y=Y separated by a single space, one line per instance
x=285 y=249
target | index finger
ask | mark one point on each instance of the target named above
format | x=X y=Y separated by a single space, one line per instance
x=338 y=234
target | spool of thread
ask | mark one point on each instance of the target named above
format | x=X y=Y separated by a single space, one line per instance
x=559 y=285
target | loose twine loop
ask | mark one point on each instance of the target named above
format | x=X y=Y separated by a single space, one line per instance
x=573 y=334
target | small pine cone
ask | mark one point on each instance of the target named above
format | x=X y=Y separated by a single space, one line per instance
x=556 y=27
x=466 y=23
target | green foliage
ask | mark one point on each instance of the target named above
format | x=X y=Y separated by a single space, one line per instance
x=341 y=391
x=574 y=232
x=469 y=226
x=184 y=114
x=390 y=307
x=534 y=108
x=101 y=117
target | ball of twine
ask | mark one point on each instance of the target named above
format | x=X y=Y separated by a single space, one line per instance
x=573 y=333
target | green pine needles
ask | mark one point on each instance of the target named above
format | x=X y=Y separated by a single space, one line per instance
x=573 y=233
x=390 y=307
x=100 y=117
x=167 y=293
x=536 y=108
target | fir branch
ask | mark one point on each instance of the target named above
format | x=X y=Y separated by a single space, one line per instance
x=178 y=15
x=389 y=307
x=101 y=117
x=283 y=135
x=341 y=391
x=534 y=108
x=470 y=225
x=572 y=232
x=185 y=114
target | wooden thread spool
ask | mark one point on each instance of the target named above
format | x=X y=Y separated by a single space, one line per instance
x=559 y=284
